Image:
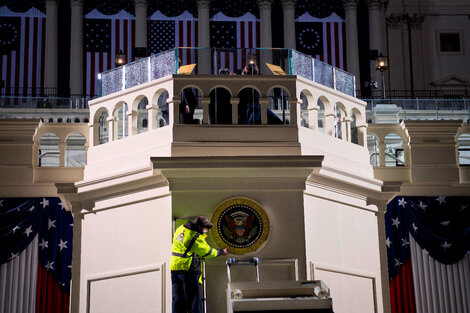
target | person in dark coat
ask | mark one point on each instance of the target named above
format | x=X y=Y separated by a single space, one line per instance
x=187 y=107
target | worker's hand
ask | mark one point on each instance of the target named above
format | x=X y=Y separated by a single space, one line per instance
x=225 y=251
x=186 y=109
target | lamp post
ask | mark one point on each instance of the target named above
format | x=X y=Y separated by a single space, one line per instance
x=120 y=58
x=381 y=64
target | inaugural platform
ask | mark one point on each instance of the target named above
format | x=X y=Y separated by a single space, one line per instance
x=273 y=178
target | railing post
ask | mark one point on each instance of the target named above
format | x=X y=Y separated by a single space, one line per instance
x=123 y=87
x=334 y=78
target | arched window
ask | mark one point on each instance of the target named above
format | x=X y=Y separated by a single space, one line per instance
x=51 y=120
x=321 y=116
x=354 y=132
x=278 y=106
x=463 y=143
x=338 y=123
x=220 y=108
x=77 y=120
x=103 y=135
x=249 y=110
x=49 y=151
x=394 y=153
x=163 y=114
x=373 y=146
x=121 y=129
x=142 y=114
x=304 y=110
x=75 y=151
x=59 y=120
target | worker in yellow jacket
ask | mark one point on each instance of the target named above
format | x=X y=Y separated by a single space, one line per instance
x=189 y=246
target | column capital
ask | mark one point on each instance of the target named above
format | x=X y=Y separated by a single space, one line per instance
x=52 y=2
x=264 y=4
x=414 y=20
x=140 y=2
x=289 y=4
x=350 y=3
x=374 y=4
x=203 y=4
x=394 y=20
x=76 y=2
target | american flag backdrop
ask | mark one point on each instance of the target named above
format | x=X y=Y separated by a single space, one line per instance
x=428 y=250
x=164 y=33
x=233 y=32
x=323 y=39
x=103 y=37
x=22 y=44
x=35 y=255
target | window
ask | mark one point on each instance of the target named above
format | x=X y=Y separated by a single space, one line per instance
x=449 y=42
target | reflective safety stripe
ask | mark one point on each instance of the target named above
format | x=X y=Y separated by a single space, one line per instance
x=180 y=255
x=208 y=253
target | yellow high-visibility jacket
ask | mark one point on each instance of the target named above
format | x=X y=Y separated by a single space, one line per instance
x=188 y=245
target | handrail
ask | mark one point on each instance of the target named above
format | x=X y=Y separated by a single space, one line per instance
x=168 y=62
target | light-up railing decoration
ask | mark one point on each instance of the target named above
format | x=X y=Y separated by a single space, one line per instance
x=138 y=72
x=167 y=63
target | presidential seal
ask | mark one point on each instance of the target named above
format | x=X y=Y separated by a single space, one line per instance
x=241 y=224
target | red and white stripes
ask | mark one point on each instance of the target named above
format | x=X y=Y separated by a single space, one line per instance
x=23 y=70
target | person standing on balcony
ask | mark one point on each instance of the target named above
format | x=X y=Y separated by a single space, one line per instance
x=187 y=107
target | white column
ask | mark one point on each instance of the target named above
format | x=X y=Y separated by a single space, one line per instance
x=288 y=7
x=76 y=48
x=141 y=23
x=234 y=102
x=51 y=49
x=203 y=31
x=375 y=35
x=265 y=34
x=352 y=50
x=62 y=146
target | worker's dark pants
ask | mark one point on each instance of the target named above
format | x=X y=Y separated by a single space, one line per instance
x=186 y=295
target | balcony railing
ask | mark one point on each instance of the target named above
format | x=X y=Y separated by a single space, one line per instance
x=210 y=60
x=45 y=102
x=413 y=94
x=405 y=109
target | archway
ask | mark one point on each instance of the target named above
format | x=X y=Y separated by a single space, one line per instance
x=121 y=128
x=394 y=153
x=49 y=150
x=75 y=151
